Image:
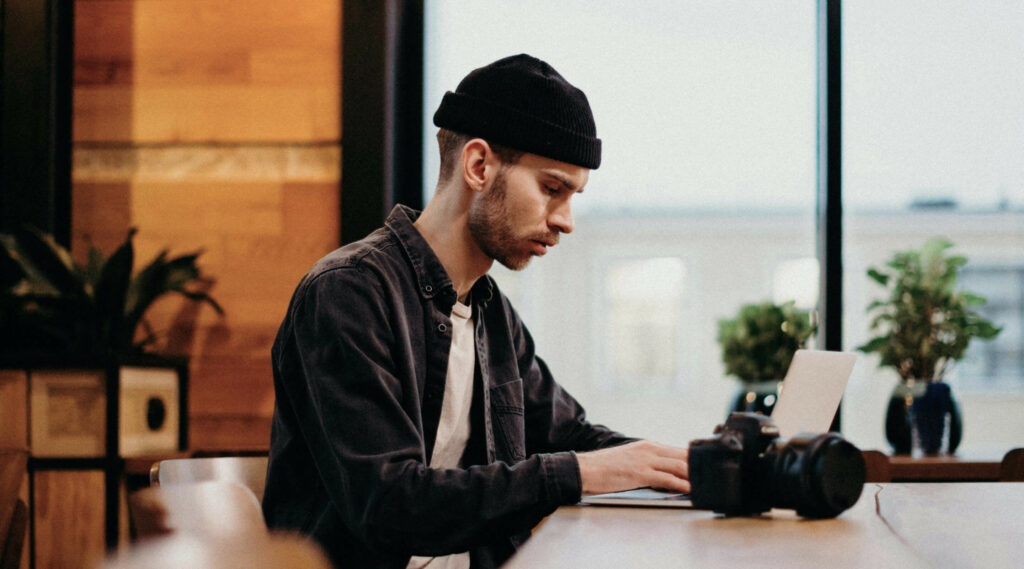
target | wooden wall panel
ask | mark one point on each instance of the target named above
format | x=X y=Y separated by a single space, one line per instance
x=13 y=408
x=102 y=213
x=236 y=70
x=68 y=517
x=103 y=70
x=233 y=113
x=150 y=71
x=214 y=126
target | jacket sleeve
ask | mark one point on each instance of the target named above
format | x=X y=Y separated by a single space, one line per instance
x=335 y=363
x=555 y=421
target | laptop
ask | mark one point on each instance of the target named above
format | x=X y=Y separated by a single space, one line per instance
x=808 y=401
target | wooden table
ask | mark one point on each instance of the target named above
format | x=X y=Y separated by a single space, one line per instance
x=905 y=525
x=186 y=550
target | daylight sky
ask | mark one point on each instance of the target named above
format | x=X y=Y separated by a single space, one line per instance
x=712 y=105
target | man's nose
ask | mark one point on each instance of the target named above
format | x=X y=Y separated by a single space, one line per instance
x=561 y=219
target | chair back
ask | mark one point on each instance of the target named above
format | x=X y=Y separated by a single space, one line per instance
x=1012 y=467
x=877 y=463
x=206 y=509
x=249 y=471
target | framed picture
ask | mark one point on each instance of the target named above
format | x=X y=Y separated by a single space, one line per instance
x=150 y=411
x=68 y=413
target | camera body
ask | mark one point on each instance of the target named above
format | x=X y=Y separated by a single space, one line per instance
x=746 y=468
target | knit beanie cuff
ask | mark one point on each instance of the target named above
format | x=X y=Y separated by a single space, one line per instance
x=492 y=121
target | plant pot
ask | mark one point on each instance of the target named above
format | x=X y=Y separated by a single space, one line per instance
x=756 y=397
x=923 y=416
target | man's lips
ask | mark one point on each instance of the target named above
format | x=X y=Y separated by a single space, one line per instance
x=541 y=247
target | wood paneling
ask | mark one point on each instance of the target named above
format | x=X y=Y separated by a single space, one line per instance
x=195 y=70
x=69 y=509
x=213 y=126
x=102 y=214
x=238 y=433
x=104 y=70
x=13 y=408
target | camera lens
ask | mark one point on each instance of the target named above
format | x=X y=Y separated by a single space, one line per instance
x=819 y=476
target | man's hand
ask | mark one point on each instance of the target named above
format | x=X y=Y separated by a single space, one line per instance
x=634 y=465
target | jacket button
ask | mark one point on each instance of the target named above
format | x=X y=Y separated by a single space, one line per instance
x=428 y=288
x=442 y=328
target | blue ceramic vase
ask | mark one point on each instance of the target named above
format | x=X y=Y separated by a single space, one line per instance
x=923 y=415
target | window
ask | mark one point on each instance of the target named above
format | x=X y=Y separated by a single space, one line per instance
x=932 y=147
x=707 y=185
x=996 y=365
x=642 y=322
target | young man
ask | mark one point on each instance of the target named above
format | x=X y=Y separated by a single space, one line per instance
x=414 y=423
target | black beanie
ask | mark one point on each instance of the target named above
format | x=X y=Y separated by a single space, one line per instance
x=524 y=104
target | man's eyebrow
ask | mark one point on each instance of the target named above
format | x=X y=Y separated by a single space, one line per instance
x=564 y=180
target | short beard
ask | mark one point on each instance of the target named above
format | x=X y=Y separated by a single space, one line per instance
x=490 y=227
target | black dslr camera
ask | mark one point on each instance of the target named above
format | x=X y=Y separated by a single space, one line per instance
x=747 y=469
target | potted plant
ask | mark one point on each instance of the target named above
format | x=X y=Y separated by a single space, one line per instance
x=75 y=342
x=79 y=335
x=52 y=306
x=757 y=347
x=924 y=325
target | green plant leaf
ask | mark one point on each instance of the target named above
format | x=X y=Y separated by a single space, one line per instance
x=877 y=276
x=149 y=284
x=987 y=331
x=956 y=261
x=973 y=299
x=874 y=344
x=46 y=265
x=94 y=267
x=162 y=276
x=111 y=291
x=203 y=297
x=11 y=271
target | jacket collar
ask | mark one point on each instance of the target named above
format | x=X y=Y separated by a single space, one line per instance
x=431 y=277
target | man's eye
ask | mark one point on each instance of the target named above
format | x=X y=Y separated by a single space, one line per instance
x=551 y=190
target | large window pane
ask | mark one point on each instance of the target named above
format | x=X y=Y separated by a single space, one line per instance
x=704 y=200
x=934 y=146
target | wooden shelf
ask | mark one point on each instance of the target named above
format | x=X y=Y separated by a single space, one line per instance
x=967 y=468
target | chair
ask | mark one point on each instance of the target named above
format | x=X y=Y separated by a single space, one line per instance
x=207 y=509
x=13 y=512
x=877 y=464
x=249 y=471
x=1012 y=467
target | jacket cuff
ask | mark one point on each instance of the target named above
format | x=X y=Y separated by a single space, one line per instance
x=562 y=481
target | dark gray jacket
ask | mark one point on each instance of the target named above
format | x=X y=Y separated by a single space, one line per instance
x=359 y=373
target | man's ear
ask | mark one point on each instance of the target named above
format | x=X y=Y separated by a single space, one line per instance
x=479 y=164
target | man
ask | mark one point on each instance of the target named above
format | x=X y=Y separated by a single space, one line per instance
x=414 y=424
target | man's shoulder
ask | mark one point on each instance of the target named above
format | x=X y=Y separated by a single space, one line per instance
x=361 y=262
x=376 y=246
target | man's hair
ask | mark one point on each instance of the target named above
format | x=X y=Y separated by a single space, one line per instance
x=450 y=144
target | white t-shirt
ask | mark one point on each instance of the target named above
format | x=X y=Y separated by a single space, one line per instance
x=453 y=427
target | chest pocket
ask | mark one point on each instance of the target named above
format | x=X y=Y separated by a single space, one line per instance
x=507 y=417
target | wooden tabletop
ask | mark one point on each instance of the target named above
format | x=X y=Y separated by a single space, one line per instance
x=269 y=551
x=903 y=525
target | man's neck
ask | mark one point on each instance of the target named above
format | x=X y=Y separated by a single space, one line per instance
x=443 y=225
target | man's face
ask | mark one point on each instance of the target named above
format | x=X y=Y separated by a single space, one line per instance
x=525 y=209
